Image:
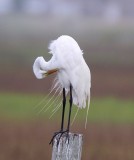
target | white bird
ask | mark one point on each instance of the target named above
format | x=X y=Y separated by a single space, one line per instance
x=73 y=74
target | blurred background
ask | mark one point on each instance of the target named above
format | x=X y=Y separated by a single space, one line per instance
x=104 y=29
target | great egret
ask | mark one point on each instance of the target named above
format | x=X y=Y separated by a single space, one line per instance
x=73 y=74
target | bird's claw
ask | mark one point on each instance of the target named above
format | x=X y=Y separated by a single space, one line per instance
x=59 y=135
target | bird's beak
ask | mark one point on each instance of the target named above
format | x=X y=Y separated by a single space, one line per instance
x=50 y=72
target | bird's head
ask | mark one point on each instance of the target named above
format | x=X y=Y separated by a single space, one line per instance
x=39 y=73
x=38 y=69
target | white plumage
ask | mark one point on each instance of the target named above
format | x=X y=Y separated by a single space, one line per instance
x=67 y=60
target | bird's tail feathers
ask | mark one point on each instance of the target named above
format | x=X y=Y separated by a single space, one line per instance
x=87 y=110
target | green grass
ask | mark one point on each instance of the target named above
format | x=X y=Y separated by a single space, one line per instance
x=13 y=105
x=102 y=110
x=112 y=110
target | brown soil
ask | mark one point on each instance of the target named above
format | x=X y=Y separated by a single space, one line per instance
x=29 y=141
x=106 y=81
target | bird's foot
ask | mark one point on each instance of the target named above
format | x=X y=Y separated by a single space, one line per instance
x=59 y=135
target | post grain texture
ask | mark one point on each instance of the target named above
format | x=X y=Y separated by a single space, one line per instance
x=68 y=151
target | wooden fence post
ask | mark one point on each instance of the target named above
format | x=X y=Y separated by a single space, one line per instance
x=68 y=151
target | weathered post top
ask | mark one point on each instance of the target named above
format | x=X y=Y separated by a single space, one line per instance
x=68 y=150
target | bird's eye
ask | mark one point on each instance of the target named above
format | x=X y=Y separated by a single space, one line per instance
x=41 y=68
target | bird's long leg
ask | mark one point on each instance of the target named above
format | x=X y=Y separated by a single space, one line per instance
x=70 y=109
x=62 y=121
x=66 y=132
x=63 y=110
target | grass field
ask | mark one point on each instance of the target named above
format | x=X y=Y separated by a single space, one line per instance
x=25 y=135
x=105 y=110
